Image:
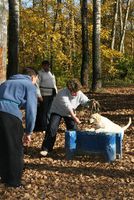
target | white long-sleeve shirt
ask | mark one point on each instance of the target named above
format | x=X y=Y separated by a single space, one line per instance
x=47 y=83
x=64 y=102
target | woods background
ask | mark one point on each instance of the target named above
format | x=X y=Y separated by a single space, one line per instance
x=94 y=42
x=90 y=40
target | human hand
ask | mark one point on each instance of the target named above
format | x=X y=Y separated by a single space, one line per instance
x=77 y=120
x=40 y=98
x=26 y=139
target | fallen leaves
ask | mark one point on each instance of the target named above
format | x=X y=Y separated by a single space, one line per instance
x=84 y=177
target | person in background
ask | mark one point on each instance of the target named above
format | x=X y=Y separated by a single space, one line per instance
x=48 y=89
x=18 y=92
x=64 y=106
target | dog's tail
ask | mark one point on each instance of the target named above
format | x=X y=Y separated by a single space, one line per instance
x=125 y=127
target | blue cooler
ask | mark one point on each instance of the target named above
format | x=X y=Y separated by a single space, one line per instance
x=70 y=144
x=108 y=144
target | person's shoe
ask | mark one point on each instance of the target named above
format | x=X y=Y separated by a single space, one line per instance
x=44 y=152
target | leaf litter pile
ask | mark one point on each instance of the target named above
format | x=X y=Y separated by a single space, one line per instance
x=86 y=176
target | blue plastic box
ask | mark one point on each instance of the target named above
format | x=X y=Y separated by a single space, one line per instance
x=79 y=142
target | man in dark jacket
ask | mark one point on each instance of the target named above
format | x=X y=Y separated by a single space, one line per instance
x=17 y=92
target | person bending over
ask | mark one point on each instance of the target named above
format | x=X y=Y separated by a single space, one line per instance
x=16 y=93
x=64 y=105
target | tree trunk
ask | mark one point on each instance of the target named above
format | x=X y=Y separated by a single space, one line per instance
x=114 y=24
x=85 y=44
x=124 y=27
x=13 y=37
x=3 y=38
x=132 y=39
x=45 y=15
x=58 y=10
x=96 y=82
x=121 y=20
x=71 y=39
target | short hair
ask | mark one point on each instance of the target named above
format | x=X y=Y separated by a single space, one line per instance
x=30 y=71
x=45 y=62
x=73 y=85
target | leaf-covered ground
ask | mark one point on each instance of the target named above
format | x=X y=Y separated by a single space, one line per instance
x=84 y=177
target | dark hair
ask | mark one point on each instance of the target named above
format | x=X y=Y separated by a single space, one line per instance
x=45 y=62
x=73 y=85
x=30 y=71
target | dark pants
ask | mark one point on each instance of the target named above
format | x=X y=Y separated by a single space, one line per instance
x=43 y=114
x=11 y=149
x=53 y=126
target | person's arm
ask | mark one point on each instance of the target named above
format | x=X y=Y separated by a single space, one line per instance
x=30 y=115
x=30 y=109
x=73 y=115
x=54 y=82
x=39 y=96
x=84 y=100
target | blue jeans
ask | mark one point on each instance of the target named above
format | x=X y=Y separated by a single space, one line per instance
x=52 y=129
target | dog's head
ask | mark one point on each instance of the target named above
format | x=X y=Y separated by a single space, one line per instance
x=95 y=118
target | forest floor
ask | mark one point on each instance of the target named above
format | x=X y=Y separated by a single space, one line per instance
x=84 y=177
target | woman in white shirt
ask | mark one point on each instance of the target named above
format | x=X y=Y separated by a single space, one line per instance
x=64 y=106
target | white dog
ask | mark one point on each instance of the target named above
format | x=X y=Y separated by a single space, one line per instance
x=103 y=124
